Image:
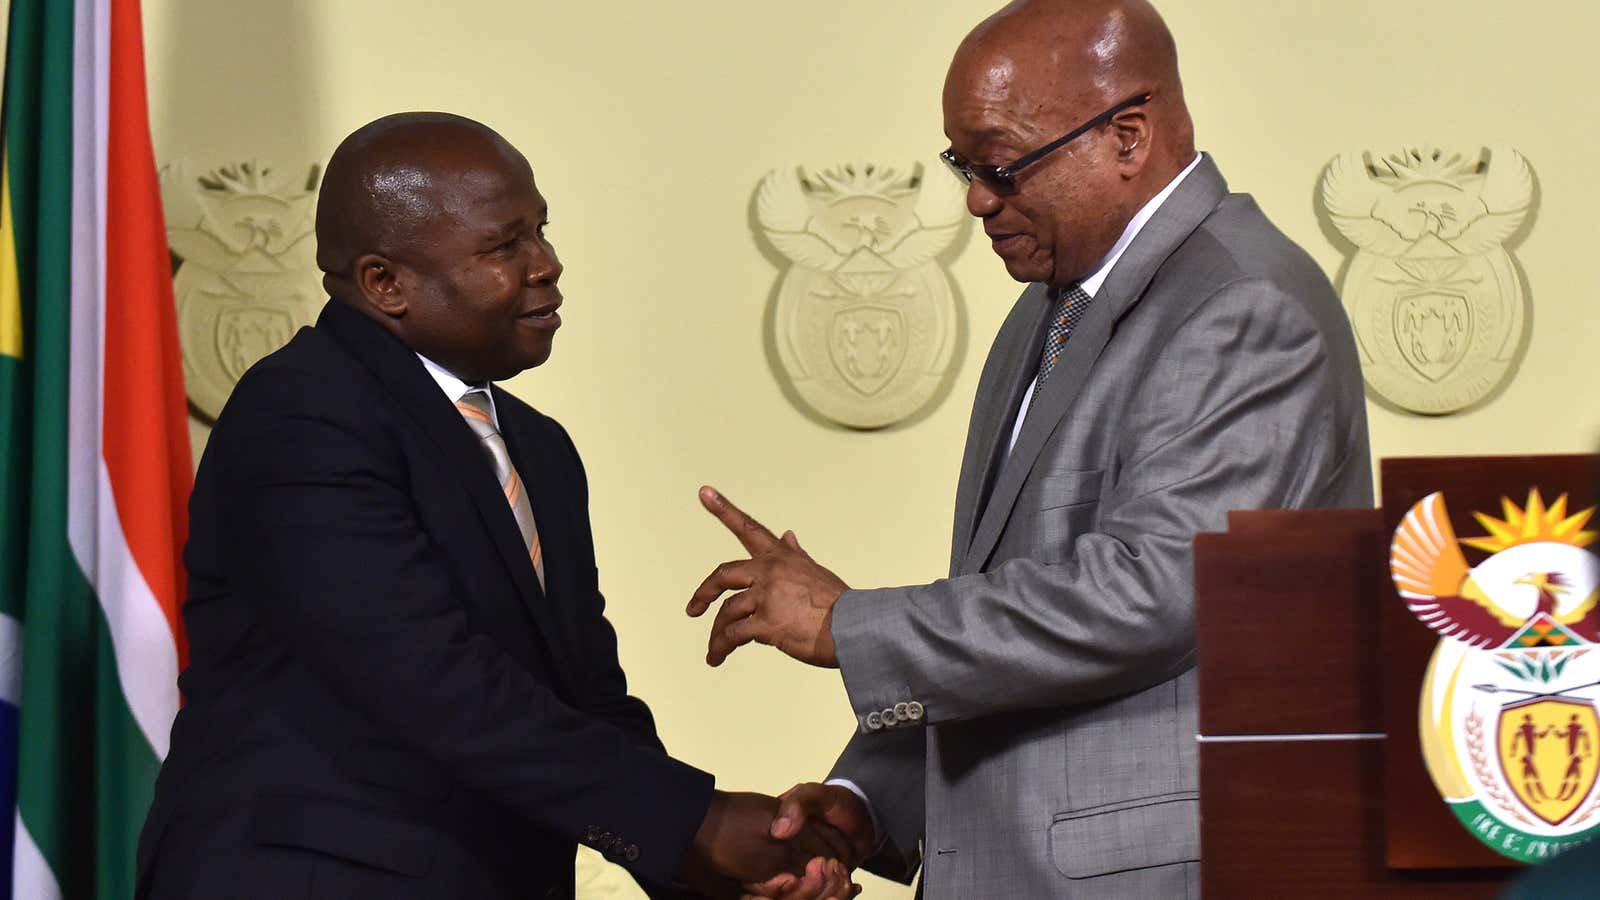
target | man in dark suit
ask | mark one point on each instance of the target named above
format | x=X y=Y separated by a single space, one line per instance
x=402 y=683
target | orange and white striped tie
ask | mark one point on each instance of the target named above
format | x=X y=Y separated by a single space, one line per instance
x=474 y=406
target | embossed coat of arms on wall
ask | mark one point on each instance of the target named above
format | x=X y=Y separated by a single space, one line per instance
x=865 y=321
x=247 y=274
x=1436 y=301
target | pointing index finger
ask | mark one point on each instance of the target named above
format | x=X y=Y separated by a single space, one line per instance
x=752 y=534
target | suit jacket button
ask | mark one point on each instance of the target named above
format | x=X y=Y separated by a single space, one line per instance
x=889 y=721
x=914 y=710
x=631 y=853
x=590 y=835
x=874 y=721
x=900 y=712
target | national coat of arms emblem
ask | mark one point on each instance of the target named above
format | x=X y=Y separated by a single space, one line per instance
x=1435 y=299
x=865 y=321
x=1508 y=720
x=247 y=276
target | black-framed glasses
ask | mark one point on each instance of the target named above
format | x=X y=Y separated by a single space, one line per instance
x=1002 y=179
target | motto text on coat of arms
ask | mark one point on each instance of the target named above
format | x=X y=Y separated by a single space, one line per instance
x=865 y=320
x=1435 y=299
x=247 y=277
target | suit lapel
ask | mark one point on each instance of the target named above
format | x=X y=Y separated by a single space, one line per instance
x=397 y=368
x=1000 y=389
x=553 y=507
x=1188 y=205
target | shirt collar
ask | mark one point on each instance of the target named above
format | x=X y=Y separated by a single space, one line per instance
x=454 y=388
x=1091 y=284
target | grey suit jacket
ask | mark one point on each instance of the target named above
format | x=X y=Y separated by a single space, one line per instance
x=1027 y=725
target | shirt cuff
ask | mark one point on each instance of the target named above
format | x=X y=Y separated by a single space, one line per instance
x=878 y=837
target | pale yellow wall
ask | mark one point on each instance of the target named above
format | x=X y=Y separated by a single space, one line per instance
x=648 y=125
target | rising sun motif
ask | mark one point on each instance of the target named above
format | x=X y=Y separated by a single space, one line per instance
x=1532 y=524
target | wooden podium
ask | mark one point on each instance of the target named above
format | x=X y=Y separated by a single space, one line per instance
x=1312 y=783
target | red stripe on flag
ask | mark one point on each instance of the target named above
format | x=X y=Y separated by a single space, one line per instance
x=145 y=429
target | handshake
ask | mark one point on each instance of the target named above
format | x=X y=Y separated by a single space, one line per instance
x=799 y=846
x=802 y=845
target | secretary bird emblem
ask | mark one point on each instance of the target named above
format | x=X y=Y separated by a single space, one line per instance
x=1509 y=726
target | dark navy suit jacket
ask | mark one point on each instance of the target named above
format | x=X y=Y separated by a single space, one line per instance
x=381 y=701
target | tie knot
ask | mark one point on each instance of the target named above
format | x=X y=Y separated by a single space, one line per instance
x=1070 y=306
x=474 y=406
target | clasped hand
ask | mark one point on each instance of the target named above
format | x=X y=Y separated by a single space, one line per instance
x=784 y=598
x=800 y=846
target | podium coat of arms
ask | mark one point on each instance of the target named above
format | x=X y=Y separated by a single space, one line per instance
x=1508 y=720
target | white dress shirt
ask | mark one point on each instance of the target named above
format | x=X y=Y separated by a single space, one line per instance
x=1091 y=285
x=454 y=388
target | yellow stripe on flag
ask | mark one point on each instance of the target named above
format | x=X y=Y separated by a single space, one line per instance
x=10 y=288
x=5 y=26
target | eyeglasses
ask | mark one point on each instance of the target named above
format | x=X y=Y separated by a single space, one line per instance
x=1002 y=179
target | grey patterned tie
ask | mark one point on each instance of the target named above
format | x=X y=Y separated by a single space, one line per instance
x=1069 y=310
x=474 y=406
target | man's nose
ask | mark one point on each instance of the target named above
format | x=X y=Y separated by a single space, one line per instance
x=546 y=268
x=982 y=201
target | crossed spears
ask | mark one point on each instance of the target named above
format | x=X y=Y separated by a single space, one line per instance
x=1496 y=689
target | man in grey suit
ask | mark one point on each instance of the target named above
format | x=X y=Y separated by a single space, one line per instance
x=1027 y=725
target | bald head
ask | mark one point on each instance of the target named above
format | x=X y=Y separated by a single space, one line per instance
x=1077 y=57
x=395 y=177
x=431 y=225
x=1039 y=70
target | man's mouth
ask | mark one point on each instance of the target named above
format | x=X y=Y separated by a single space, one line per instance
x=543 y=315
x=543 y=312
x=1005 y=242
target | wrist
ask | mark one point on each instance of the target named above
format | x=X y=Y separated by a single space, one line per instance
x=865 y=840
x=827 y=651
x=871 y=838
x=705 y=837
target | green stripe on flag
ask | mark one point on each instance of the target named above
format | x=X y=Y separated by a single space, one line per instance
x=38 y=142
x=85 y=771
x=24 y=122
x=16 y=473
x=19 y=129
x=38 y=147
x=126 y=767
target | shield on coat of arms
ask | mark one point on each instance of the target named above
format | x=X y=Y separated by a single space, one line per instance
x=1547 y=749
x=867 y=344
x=230 y=321
x=1434 y=330
x=247 y=332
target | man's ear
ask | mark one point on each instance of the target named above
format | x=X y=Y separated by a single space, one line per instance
x=378 y=280
x=1132 y=132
